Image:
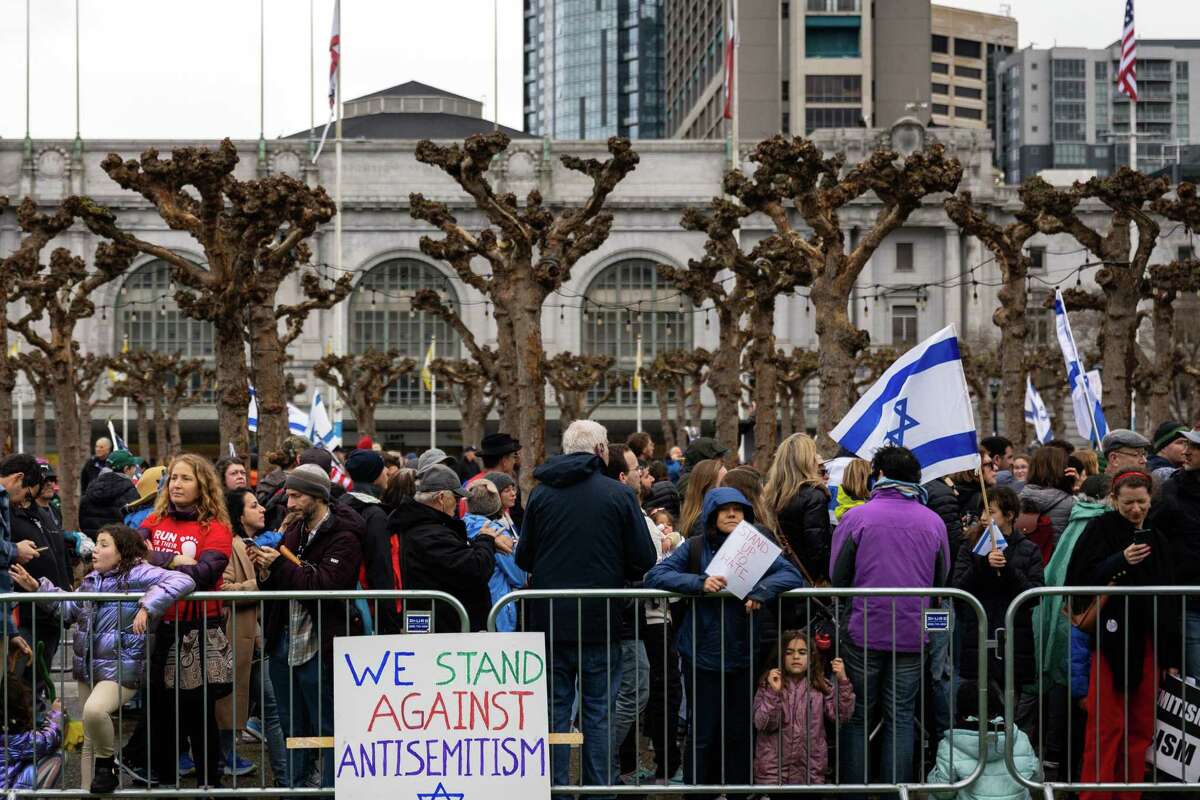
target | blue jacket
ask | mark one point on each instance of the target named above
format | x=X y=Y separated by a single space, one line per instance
x=508 y=577
x=674 y=574
x=1081 y=662
x=995 y=783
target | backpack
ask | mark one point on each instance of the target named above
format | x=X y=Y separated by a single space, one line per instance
x=1037 y=528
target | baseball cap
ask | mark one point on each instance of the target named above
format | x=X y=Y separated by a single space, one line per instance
x=439 y=478
x=121 y=459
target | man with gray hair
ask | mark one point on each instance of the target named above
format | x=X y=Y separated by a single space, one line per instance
x=93 y=466
x=582 y=530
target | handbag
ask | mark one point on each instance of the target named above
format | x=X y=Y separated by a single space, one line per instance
x=1087 y=619
x=201 y=663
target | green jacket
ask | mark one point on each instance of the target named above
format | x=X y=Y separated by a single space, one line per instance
x=995 y=783
x=844 y=503
x=1051 y=630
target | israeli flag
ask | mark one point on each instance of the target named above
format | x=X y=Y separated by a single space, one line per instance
x=320 y=429
x=117 y=442
x=984 y=545
x=921 y=403
x=297 y=421
x=252 y=412
x=1085 y=396
x=1036 y=414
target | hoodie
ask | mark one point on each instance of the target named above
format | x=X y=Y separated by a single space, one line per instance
x=742 y=631
x=1054 y=503
x=381 y=553
x=582 y=530
x=104 y=501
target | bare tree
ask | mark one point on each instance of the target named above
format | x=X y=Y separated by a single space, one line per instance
x=1159 y=372
x=665 y=383
x=362 y=380
x=183 y=385
x=573 y=376
x=37 y=372
x=253 y=236
x=473 y=392
x=1129 y=197
x=795 y=370
x=134 y=382
x=60 y=293
x=980 y=367
x=8 y=369
x=530 y=251
x=1007 y=245
x=88 y=370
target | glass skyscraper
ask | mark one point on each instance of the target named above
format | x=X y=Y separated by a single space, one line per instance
x=594 y=69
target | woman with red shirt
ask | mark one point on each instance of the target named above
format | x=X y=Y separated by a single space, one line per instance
x=189 y=531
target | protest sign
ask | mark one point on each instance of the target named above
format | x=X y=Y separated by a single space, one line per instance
x=744 y=557
x=1176 y=731
x=441 y=717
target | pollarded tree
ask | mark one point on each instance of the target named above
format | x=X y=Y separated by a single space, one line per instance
x=253 y=236
x=573 y=376
x=529 y=250
x=60 y=294
x=819 y=188
x=88 y=370
x=184 y=385
x=34 y=365
x=1167 y=364
x=8 y=368
x=1129 y=198
x=473 y=391
x=133 y=382
x=980 y=367
x=362 y=380
x=1007 y=245
x=665 y=384
x=795 y=370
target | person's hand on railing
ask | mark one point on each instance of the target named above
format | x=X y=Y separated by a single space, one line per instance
x=140 y=621
x=181 y=560
x=714 y=584
x=17 y=647
x=752 y=606
x=839 y=669
x=22 y=578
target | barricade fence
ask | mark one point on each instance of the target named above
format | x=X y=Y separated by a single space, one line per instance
x=1113 y=705
x=607 y=668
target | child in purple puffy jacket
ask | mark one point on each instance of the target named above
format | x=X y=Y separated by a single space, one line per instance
x=30 y=755
x=113 y=639
x=790 y=710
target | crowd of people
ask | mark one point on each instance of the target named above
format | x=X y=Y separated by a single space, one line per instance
x=714 y=688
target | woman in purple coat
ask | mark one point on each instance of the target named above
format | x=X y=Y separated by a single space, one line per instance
x=113 y=638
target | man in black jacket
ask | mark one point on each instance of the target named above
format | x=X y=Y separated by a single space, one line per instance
x=381 y=549
x=30 y=524
x=109 y=493
x=435 y=552
x=1177 y=514
x=94 y=464
x=582 y=530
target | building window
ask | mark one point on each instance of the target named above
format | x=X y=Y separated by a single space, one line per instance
x=941 y=108
x=1070 y=132
x=382 y=318
x=1070 y=155
x=783 y=91
x=663 y=324
x=968 y=48
x=786 y=122
x=148 y=318
x=833 y=88
x=940 y=88
x=968 y=92
x=1037 y=259
x=785 y=9
x=832 y=37
x=940 y=68
x=1185 y=253
x=847 y=5
x=1068 y=68
x=832 y=118
x=940 y=44
x=1040 y=321
x=818 y=6
x=968 y=113
x=904 y=257
x=967 y=72
x=1101 y=71
x=904 y=326
x=1181 y=70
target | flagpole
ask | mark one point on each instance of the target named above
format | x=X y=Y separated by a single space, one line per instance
x=21 y=422
x=312 y=81
x=125 y=420
x=433 y=397
x=340 y=309
x=637 y=380
x=495 y=65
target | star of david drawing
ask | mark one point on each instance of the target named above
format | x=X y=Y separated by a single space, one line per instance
x=440 y=793
x=904 y=423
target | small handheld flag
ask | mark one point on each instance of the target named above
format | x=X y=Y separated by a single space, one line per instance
x=297 y=421
x=992 y=539
x=252 y=412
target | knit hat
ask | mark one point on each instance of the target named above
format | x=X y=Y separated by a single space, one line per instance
x=1164 y=434
x=703 y=449
x=483 y=498
x=364 y=466
x=500 y=480
x=309 y=479
x=434 y=455
x=365 y=443
x=318 y=456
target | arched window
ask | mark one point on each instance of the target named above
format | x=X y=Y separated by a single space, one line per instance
x=625 y=298
x=147 y=316
x=382 y=318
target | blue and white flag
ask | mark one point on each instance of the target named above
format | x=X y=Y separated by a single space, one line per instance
x=1036 y=413
x=921 y=403
x=320 y=429
x=252 y=412
x=984 y=545
x=1085 y=397
x=297 y=421
x=117 y=442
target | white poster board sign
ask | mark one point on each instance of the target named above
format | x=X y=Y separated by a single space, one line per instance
x=744 y=557
x=441 y=717
x=1176 y=731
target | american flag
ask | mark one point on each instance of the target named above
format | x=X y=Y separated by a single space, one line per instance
x=335 y=51
x=337 y=474
x=1127 y=71
x=729 y=45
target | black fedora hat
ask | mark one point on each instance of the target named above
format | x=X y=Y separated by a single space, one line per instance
x=498 y=444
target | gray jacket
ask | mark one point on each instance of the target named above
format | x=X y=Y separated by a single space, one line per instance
x=1054 y=503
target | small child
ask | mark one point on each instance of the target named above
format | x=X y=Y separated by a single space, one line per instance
x=790 y=710
x=30 y=756
x=113 y=639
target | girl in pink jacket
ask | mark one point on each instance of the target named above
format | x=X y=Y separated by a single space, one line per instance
x=790 y=710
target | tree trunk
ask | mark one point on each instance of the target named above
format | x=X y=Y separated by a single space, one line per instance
x=233 y=399
x=269 y=379
x=8 y=381
x=39 y=422
x=799 y=413
x=1011 y=320
x=143 y=428
x=1163 y=376
x=531 y=380
x=162 y=446
x=838 y=344
x=1119 y=356
x=67 y=430
x=784 y=404
x=664 y=416
x=697 y=409
x=766 y=382
x=364 y=417
x=725 y=378
x=473 y=411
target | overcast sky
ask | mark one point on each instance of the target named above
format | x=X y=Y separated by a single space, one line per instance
x=190 y=68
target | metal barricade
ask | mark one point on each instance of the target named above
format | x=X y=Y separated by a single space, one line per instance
x=1073 y=726
x=571 y=658
x=314 y=736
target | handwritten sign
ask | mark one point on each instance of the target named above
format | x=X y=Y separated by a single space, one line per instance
x=744 y=557
x=1176 y=731
x=441 y=717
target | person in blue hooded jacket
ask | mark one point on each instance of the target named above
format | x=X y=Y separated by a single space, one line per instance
x=719 y=681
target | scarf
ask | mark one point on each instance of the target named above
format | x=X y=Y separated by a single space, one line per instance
x=913 y=491
x=183 y=513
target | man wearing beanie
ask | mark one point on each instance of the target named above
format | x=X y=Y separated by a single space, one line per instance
x=381 y=550
x=299 y=634
x=1170 y=448
x=435 y=552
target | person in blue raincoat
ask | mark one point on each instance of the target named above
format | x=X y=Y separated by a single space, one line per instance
x=485 y=509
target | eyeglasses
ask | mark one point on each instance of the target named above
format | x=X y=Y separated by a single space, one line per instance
x=989 y=465
x=1139 y=455
x=824 y=472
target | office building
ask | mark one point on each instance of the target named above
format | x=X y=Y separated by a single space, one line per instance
x=966 y=48
x=594 y=69
x=1059 y=108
